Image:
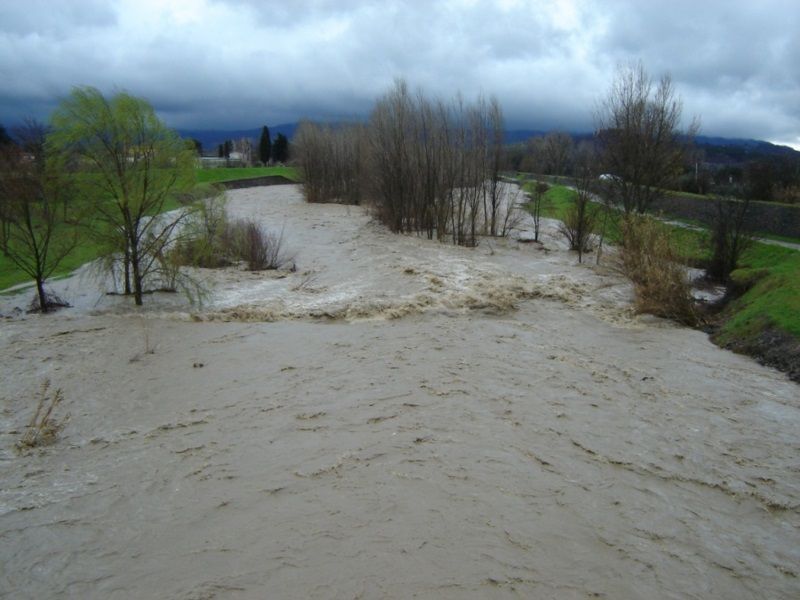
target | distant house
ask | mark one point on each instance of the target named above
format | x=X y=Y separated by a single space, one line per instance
x=212 y=162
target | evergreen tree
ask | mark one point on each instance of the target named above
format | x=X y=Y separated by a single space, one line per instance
x=264 y=146
x=220 y=151
x=280 y=149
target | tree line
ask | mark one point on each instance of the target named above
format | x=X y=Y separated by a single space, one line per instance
x=426 y=165
x=266 y=152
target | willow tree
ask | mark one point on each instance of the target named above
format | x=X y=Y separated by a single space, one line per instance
x=131 y=166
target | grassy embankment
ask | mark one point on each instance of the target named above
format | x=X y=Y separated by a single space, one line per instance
x=767 y=280
x=88 y=249
x=233 y=173
x=691 y=244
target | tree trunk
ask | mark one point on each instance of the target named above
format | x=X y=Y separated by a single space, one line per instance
x=137 y=284
x=137 y=276
x=127 y=261
x=42 y=295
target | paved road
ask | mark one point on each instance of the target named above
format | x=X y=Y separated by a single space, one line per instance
x=762 y=240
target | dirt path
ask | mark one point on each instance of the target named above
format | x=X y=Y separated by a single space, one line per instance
x=416 y=420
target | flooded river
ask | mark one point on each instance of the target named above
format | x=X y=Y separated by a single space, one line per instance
x=396 y=418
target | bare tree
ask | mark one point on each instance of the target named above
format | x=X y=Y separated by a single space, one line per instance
x=509 y=215
x=538 y=194
x=244 y=146
x=730 y=236
x=427 y=166
x=557 y=149
x=638 y=129
x=494 y=149
x=533 y=156
x=331 y=161
x=550 y=154
x=34 y=192
x=391 y=167
x=580 y=220
x=434 y=167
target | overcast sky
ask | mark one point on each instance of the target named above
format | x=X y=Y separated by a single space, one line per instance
x=209 y=64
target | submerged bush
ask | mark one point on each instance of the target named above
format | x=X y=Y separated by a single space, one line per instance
x=44 y=426
x=579 y=224
x=660 y=280
x=260 y=248
x=203 y=242
x=211 y=241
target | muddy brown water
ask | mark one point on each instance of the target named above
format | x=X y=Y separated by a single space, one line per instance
x=397 y=418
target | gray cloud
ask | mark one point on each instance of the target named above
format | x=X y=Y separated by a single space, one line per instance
x=240 y=63
x=54 y=19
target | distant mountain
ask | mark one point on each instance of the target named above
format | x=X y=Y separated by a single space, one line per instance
x=736 y=151
x=718 y=150
x=515 y=136
x=211 y=138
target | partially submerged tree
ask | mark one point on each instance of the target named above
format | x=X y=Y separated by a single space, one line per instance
x=493 y=191
x=427 y=166
x=33 y=193
x=641 y=144
x=580 y=220
x=131 y=166
x=434 y=166
x=330 y=160
x=538 y=194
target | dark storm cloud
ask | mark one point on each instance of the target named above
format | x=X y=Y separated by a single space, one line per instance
x=735 y=63
x=237 y=63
